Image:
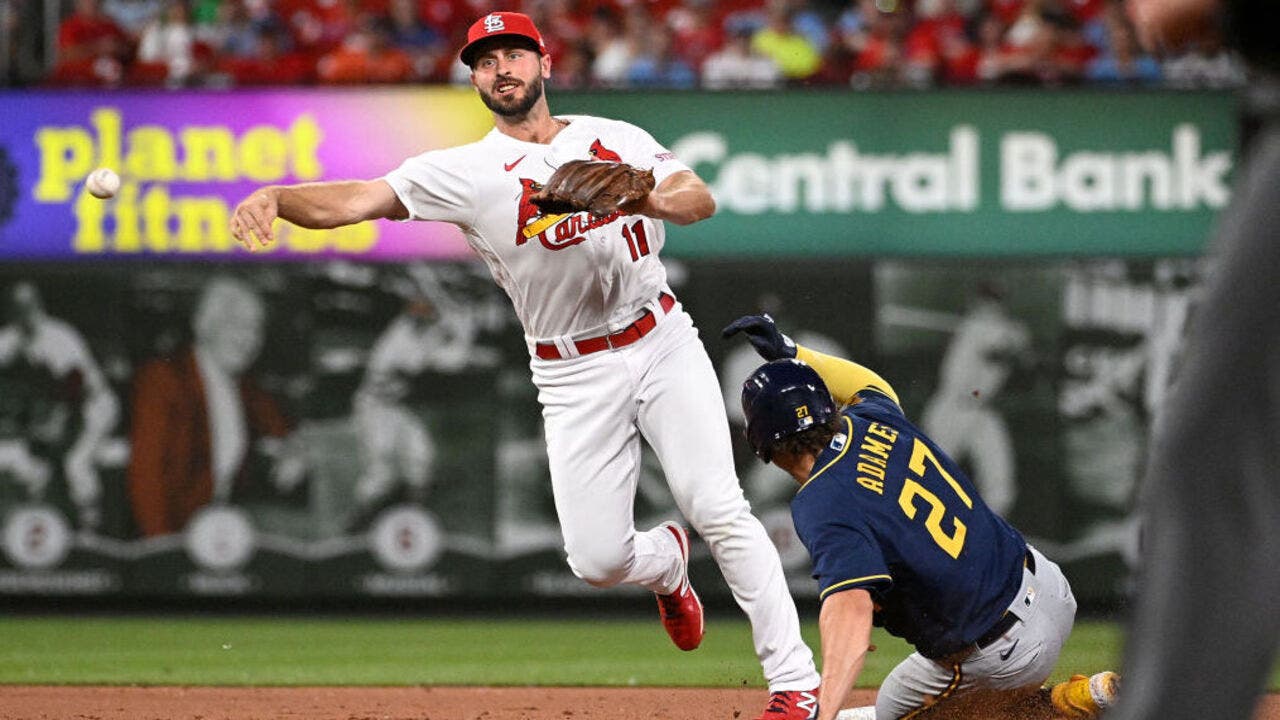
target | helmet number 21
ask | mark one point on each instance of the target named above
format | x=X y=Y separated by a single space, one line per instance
x=952 y=543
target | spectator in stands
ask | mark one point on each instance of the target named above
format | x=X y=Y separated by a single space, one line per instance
x=849 y=34
x=1026 y=47
x=133 y=16
x=169 y=41
x=960 y=57
x=366 y=56
x=611 y=49
x=424 y=45
x=92 y=48
x=657 y=65
x=809 y=23
x=1070 y=53
x=1208 y=65
x=738 y=66
x=1085 y=11
x=883 y=44
x=1120 y=59
x=938 y=27
x=562 y=25
x=992 y=52
x=26 y=61
x=879 y=48
x=778 y=40
x=272 y=63
x=697 y=34
x=319 y=26
x=573 y=68
x=263 y=15
x=232 y=32
x=1006 y=11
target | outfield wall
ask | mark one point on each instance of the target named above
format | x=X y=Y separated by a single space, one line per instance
x=1018 y=264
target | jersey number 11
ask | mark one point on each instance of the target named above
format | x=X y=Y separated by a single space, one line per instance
x=637 y=241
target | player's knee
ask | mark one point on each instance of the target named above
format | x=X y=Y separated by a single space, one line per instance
x=600 y=566
x=717 y=517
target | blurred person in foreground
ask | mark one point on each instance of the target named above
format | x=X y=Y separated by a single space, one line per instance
x=901 y=538
x=615 y=357
x=1203 y=632
x=199 y=417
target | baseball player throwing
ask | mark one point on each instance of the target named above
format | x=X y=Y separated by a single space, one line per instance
x=900 y=538
x=613 y=354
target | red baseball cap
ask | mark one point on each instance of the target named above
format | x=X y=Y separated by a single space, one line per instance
x=497 y=24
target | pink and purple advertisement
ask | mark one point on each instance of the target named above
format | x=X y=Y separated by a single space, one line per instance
x=187 y=158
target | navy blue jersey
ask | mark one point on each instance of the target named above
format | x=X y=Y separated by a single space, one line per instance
x=886 y=510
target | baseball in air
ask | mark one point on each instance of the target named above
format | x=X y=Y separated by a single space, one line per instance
x=102 y=183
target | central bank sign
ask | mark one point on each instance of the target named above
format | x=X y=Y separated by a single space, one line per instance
x=1035 y=175
x=1031 y=173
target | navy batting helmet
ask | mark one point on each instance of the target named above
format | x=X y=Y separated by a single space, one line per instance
x=782 y=398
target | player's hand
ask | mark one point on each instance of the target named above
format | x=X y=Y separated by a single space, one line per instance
x=764 y=336
x=253 y=218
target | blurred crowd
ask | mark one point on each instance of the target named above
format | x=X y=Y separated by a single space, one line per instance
x=604 y=43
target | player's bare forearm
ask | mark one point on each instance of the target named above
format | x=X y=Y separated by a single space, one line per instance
x=682 y=199
x=845 y=626
x=313 y=205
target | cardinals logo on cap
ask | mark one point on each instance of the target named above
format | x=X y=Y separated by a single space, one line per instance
x=493 y=23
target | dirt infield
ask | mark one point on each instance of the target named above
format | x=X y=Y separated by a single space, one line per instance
x=419 y=703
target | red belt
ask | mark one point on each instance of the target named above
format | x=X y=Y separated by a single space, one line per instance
x=624 y=337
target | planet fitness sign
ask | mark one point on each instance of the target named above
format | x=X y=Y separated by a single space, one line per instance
x=186 y=159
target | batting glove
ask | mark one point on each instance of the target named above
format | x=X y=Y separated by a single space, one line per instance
x=764 y=335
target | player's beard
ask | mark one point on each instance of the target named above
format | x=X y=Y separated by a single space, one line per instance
x=514 y=106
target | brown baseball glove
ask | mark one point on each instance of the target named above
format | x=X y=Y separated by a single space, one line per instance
x=597 y=186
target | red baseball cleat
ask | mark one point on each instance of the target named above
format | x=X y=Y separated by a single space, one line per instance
x=791 y=705
x=681 y=611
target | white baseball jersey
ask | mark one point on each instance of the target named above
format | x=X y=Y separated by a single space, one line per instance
x=573 y=276
x=568 y=275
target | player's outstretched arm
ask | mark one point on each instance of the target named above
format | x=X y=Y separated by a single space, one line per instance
x=845 y=627
x=844 y=378
x=682 y=198
x=314 y=205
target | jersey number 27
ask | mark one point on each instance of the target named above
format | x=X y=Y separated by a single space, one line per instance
x=912 y=489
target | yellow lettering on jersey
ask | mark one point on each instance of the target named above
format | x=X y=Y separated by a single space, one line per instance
x=876 y=447
x=871 y=484
x=872 y=470
x=882 y=462
x=921 y=454
x=883 y=431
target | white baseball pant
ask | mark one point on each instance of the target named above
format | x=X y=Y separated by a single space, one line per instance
x=1015 y=665
x=596 y=407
